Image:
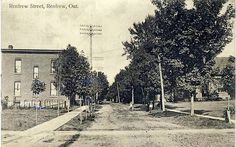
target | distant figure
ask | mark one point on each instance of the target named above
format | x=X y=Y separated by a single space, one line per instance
x=150 y=107
x=88 y=100
x=130 y=106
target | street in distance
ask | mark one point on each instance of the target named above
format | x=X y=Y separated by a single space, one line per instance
x=43 y=6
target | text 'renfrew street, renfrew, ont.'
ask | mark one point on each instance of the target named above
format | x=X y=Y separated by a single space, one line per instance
x=43 y=6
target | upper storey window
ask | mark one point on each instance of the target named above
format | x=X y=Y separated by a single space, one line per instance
x=35 y=72
x=53 y=64
x=18 y=66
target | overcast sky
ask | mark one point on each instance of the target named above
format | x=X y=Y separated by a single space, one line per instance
x=55 y=28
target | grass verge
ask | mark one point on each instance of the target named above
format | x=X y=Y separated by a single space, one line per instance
x=23 y=119
x=193 y=121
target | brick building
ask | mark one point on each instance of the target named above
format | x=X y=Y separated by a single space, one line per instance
x=21 y=66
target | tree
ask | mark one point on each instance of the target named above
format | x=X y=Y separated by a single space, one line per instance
x=72 y=74
x=112 y=92
x=99 y=86
x=37 y=86
x=228 y=77
x=186 y=40
x=103 y=85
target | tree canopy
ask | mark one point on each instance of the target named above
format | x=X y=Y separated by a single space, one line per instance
x=72 y=73
x=184 y=40
x=38 y=86
x=75 y=77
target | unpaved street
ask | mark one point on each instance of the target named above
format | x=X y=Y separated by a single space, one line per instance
x=117 y=126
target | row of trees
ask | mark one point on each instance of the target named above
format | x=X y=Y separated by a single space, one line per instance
x=75 y=77
x=181 y=43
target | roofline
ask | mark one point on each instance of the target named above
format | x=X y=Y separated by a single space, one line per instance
x=32 y=51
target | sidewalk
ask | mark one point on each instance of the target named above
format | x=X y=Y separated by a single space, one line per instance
x=45 y=127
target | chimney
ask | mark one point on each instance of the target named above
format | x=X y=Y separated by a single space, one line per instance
x=10 y=46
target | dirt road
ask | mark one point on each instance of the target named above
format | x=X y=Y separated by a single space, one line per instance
x=117 y=126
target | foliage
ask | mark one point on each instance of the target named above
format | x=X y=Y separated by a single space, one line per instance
x=72 y=74
x=112 y=92
x=103 y=85
x=213 y=96
x=228 y=77
x=38 y=86
x=100 y=84
x=185 y=41
x=4 y=102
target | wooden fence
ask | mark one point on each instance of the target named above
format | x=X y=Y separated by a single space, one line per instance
x=41 y=103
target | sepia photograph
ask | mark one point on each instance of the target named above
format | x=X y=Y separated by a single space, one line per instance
x=117 y=73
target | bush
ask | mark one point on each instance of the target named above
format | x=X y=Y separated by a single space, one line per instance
x=4 y=102
x=214 y=96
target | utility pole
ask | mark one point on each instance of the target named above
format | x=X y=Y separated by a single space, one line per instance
x=162 y=85
x=91 y=30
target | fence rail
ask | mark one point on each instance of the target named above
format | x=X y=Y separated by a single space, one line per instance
x=42 y=103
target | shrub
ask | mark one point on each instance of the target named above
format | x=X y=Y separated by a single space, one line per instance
x=214 y=96
x=4 y=102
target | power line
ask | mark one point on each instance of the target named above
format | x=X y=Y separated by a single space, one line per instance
x=91 y=30
x=107 y=51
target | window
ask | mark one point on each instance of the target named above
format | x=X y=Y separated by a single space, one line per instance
x=35 y=72
x=53 y=90
x=53 y=70
x=18 y=66
x=17 y=88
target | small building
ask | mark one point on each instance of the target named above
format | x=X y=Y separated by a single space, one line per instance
x=216 y=85
x=21 y=66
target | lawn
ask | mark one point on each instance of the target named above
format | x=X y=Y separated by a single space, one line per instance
x=193 y=122
x=22 y=119
x=212 y=108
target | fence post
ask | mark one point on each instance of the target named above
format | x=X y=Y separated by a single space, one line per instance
x=192 y=105
x=68 y=107
x=86 y=113
x=81 y=117
x=58 y=108
x=36 y=113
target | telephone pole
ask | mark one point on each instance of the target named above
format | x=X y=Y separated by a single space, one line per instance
x=91 y=30
x=162 y=85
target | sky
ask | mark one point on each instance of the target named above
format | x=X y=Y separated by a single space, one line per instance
x=55 y=28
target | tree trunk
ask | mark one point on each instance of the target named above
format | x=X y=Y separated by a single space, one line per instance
x=153 y=103
x=192 y=105
x=174 y=95
x=118 y=92
x=72 y=100
x=143 y=95
x=132 y=98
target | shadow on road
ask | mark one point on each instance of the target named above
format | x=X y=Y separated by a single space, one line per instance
x=160 y=114
x=70 y=141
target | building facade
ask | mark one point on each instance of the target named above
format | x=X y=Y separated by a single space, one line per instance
x=21 y=66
